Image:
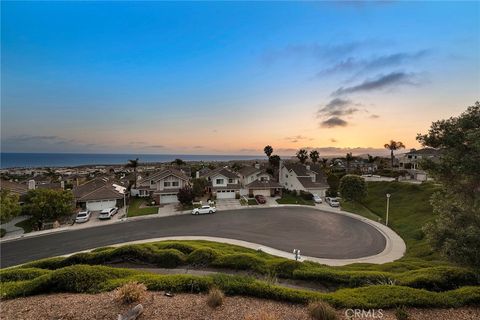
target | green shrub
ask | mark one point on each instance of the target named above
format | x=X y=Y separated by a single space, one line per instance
x=401 y=313
x=285 y=268
x=182 y=247
x=241 y=261
x=20 y=274
x=438 y=278
x=202 y=257
x=83 y=278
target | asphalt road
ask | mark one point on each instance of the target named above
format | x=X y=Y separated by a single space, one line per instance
x=317 y=233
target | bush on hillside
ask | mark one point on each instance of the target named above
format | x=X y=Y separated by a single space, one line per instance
x=319 y=310
x=202 y=257
x=215 y=298
x=130 y=292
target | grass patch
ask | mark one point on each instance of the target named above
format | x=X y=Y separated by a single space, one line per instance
x=409 y=211
x=252 y=202
x=134 y=209
x=292 y=198
x=26 y=225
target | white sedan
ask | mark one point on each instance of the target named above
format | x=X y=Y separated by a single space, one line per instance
x=317 y=199
x=83 y=216
x=204 y=210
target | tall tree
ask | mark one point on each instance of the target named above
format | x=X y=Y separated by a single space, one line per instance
x=393 y=146
x=349 y=158
x=134 y=165
x=302 y=155
x=185 y=195
x=9 y=206
x=274 y=161
x=324 y=162
x=455 y=231
x=178 y=162
x=48 y=205
x=314 y=156
x=268 y=150
x=353 y=187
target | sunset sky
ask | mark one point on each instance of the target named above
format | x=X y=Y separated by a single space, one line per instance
x=229 y=78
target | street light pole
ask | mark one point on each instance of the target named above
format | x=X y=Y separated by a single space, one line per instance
x=388 y=206
x=125 y=204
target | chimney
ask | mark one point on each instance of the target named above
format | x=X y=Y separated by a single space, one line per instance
x=197 y=174
x=31 y=184
x=62 y=184
x=257 y=165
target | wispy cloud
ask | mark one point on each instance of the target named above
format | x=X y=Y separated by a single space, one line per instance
x=333 y=122
x=316 y=51
x=374 y=63
x=374 y=116
x=333 y=140
x=338 y=107
x=155 y=146
x=381 y=82
x=298 y=138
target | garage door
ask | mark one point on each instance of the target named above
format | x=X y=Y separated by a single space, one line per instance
x=169 y=198
x=226 y=194
x=100 y=205
x=265 y=193
x=320 y=192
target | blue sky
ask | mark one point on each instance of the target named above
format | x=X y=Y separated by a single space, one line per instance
x=228 y=78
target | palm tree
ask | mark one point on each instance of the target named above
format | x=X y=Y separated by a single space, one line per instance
x=133 y=164
x=349 y=157
x=302 y=155
x=392 y=146
x=314 y=156
x=324 y=162
x=268 y=151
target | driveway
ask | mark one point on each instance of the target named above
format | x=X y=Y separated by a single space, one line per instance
x=317 y=233
x=227 y=204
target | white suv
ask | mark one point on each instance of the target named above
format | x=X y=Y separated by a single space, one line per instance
x=108 y=213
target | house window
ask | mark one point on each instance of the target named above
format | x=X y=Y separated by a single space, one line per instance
x=166 y=184
x=286 y=175
x=152 y=182
x=219 y=181
x=230 y=180
x=175 y=184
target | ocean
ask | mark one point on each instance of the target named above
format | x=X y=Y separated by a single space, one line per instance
x=33 y=160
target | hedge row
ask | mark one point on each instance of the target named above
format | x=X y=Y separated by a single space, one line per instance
x=92 y=279
x=175 y=254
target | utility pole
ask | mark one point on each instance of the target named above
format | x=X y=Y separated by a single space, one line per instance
x=388 y=206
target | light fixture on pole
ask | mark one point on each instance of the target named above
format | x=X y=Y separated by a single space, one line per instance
x=388 y=206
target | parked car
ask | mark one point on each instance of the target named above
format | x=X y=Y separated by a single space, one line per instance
x=333 y=202
x=83 y=216
x=204 y=210
x=317 y=198
x=108 y=213
x=260 y=199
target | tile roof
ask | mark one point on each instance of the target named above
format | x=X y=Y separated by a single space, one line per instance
x=266 y=184
x=96 y=189
x=299 y=169
x=224 y=172
x=307 y=183
x=248 y=170
x=14 y=187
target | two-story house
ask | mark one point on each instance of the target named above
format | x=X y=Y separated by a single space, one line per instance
x=162 y=186
x=299 y=177
x=412 y=159
x=223 y=183
x=255 y=181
